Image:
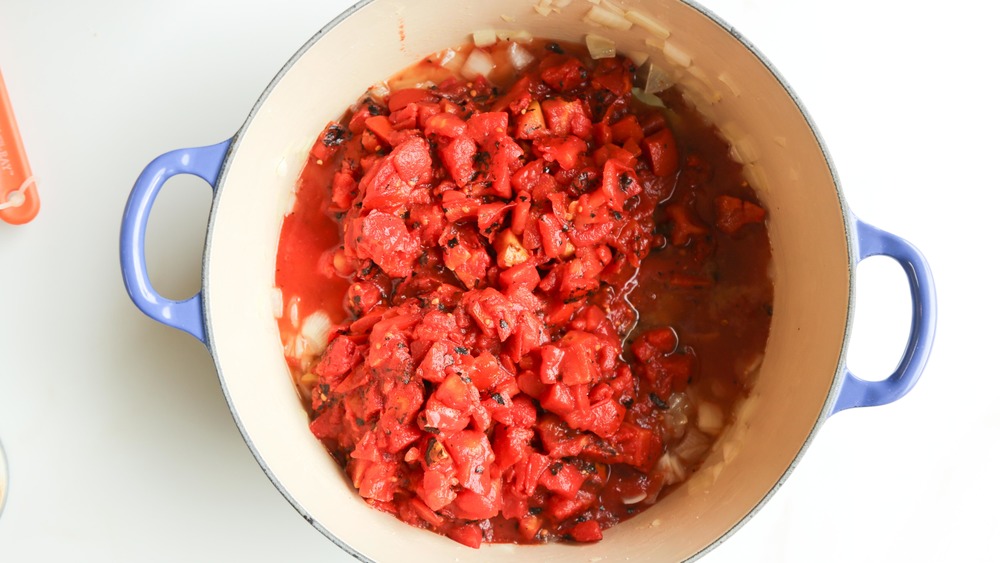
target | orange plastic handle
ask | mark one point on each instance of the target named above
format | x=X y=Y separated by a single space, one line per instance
x=18 y=194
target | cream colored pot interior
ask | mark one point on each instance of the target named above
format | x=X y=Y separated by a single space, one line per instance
x=784 y=160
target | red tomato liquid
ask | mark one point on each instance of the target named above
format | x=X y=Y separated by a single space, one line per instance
x=545 y=296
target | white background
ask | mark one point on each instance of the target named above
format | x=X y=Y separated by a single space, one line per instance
x=122 y=448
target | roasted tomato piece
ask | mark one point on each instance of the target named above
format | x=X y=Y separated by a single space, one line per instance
x=563 y=72
x=661 y=150
x=732 y=213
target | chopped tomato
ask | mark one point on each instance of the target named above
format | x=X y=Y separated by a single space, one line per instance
x=589 y=531
x=661 y=150
x=733 y=213
x=527 y=285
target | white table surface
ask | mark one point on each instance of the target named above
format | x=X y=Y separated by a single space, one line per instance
x=122 y=448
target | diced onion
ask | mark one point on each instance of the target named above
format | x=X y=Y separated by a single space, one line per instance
x=700 y=81
x=648 y=23
x=519 y=56
x=602 y=16
x=316 y=331
x=507 y=18
x=514 y=35
x=676 y=54
x=710 y=420
x=730 y=449
x=648 y=99
x=484 y=37
x=730 y=130
x=698 y=95
x=744 y=151
x=277 y=302
x=599 y=47
x=693 y=446
x=758 y=179
x=300 y=346
x=543 y=10
x=290 y=202
x=451 y=61
x=672 y=469
x=752 y=366
x=293 y=311
x=611 y=6
x=675 y=424
x=478 y=63
x=726 y=79
x=561 y=3
x=656 y=80
x=679 y=402
x=380 y=89
x=637 y=57
x=446 y=57
x=634 y=499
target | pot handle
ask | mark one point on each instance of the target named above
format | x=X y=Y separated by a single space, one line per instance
x=857 y=392
x=204 y=162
